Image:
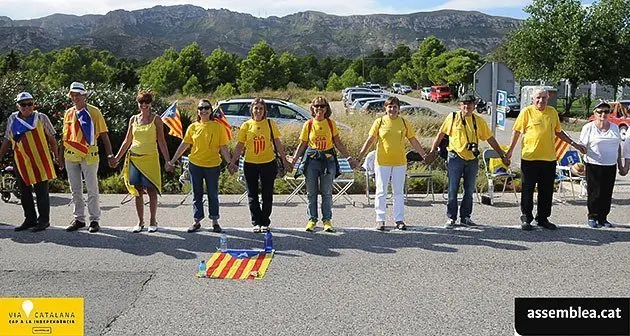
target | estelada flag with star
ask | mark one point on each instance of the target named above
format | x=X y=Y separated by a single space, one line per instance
x=173 y=120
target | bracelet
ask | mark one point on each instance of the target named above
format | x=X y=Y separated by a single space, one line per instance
x=109 y=156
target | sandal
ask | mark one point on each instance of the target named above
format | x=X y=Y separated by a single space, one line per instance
x=400 y=225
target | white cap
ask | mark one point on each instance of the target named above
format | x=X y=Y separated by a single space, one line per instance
x=78 y=87
x=23 y=96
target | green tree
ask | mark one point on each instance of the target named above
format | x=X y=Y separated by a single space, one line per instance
x=163 y=75
x=405 y=75
x=222 y=68
x=430 y=48
x=98 y=72
x=350 y=78
x=226 y=90
x=193 y=63
x=551 y=44
x=291 y=70
x=261 y=69
x=66 y=68
x=192 y=86
x=10 y=62
x=334 y=83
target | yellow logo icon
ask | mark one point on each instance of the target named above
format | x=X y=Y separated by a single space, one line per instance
x=41 y=316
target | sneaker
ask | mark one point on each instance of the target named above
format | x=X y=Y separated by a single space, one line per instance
x=546 y=225
x=400 y=225
x=310 y=226
x=328 y=226
x=256 y=229
x=468 y=222
x=216 y=228
x=526 y=226
x=607 y=224
x=450 y=224
x=593 y=223
x=196 y=226
x=94 y=227
x=153 y=227
x=40 y=227
x=264 y=229
x=25 y=226
x=137 y=228
x=76 y=224
x=380 y=226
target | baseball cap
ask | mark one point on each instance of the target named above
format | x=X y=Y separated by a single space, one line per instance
x=78 y=87
x=23 y=96
x=602 y=104
x=467 y=98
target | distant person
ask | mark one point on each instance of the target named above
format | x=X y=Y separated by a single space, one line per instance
x=141 y=170
x=259 y=136
x=464 y=129
x=603 y=148
x=318 y=140
x=390 y=131
x=32 y=137
x=209 y=142
x=539 y=124
x=83 y=125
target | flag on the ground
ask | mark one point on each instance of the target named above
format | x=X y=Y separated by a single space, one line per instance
x=560 y=146
x=239 y=264
x=174 y=122
x=219 y=117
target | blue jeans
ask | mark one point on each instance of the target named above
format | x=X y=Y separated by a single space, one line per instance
x=458 y=168
x=317 y=181
x=211 y=176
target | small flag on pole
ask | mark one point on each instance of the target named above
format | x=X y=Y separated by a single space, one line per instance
x=173 y=120
x=561 y=147
x=219 y=117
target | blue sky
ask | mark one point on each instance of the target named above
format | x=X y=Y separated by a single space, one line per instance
x=28 y=9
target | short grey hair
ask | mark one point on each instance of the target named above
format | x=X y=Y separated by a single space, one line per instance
x=539 y=91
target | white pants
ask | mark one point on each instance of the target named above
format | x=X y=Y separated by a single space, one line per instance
x=77 y=173
x=382 y=178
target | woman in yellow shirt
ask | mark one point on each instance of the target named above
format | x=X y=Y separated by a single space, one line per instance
x=258 y=136
x=209 y=142
x=142 y=163
x=318 y=140
x=390 y=131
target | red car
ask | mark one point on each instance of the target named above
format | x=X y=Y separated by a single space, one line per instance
x=440 y=94
x=620 y=115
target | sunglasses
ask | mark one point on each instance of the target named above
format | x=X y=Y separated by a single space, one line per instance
x=602 y=111
x=144 y=102
x=26 y=104
x=319 y=106
x=204 y=108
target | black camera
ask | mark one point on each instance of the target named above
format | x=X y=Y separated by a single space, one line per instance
x=474 y=148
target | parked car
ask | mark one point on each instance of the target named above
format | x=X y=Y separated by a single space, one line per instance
x=620 y=115
x=283 y=112
x=396 y=87
x=377 y=105
x=425 y=93
x=358 y=103
x=440 y=94
x=417 y=110
x=405 y=89
x=352 y=96
x=513 y=106
x=376 y=88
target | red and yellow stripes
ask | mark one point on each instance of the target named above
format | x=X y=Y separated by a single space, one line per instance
x=224 y=266
x=175 y=125
x=560 y=147
x=32 y=156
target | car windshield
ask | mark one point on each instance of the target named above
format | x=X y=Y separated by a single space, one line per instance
x=512 y=100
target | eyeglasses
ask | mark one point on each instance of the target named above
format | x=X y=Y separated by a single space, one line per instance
x=144 y=102
x=204 y=108
x=319 y=106
x=602 y=111
x=26 y=104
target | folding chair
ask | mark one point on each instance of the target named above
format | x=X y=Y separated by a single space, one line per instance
x=185 y=177
x=413 y=157
x=506 y=174
x=445 y=191
x=344 y=181
x=368 y=165
x=565 y=174
x=241 y=179
x=296 y=183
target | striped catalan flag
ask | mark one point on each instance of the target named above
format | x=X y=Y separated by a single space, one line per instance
x=32 y=155
x=560 y=147
x=173 y=120
x=239 y=264
x=219 y=117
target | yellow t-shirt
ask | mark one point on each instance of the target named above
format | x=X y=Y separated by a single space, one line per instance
x=321 y=136
x=206 y=138
x=391 y=135
x=457 y=132
x=73 y=155
x=539 y=130
x=257 y=139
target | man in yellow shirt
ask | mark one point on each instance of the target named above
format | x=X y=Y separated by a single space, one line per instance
x=83 y=124
x=539 y=124
x=465 y=129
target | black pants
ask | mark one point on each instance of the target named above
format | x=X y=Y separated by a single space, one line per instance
x=600 y=181
x=28 y=204
x=543 y=174
x=266 y=174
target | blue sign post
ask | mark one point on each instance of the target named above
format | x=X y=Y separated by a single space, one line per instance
x=501 y=103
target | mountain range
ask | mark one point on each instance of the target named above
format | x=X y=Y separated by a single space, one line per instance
x=146 y=33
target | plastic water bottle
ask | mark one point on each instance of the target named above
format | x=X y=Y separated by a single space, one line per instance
x=268 y=241
x=223 y=243
x=202 y=269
